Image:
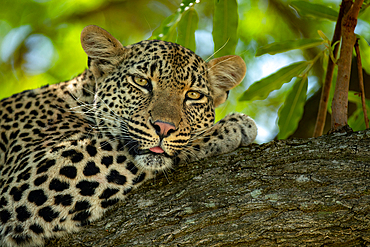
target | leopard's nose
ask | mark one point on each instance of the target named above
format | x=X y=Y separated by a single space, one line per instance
x=163 y=129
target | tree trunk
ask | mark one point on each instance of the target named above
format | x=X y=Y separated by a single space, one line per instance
x=307 y=192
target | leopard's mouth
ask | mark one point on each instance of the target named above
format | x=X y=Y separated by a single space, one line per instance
x=157 y=150
x=148 y=151
x=149 y=160
x=154 y=159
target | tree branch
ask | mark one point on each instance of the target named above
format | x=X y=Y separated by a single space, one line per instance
x=321 y=115
x=340 y=101
x=309 y=192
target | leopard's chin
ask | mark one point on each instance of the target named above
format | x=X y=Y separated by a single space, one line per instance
x=154 y=162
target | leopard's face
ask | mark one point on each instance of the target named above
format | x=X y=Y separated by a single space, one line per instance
x=155 y=99
x=155 y=96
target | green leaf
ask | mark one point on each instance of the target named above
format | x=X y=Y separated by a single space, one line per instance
x=364 y=6
x=186 y=29
x=167 y=29
x=288 y=45
x=355 y=97
x=186 y=4
x=332 y=89
x=225 y=26
x=365 y=54
x=356 y=120
x=323 y=36
x=315 y=10
x=262 y=88
x=290 y=113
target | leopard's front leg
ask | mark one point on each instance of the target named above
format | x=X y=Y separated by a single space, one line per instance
x=228 y=134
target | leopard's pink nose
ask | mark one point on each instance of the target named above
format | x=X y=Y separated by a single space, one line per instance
x=163 y=129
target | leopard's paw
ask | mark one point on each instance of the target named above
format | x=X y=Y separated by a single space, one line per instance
x=245 y=124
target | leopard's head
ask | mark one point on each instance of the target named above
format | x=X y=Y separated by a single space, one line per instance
x=155 y=96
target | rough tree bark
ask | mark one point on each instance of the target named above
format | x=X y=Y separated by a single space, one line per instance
x=306 y=192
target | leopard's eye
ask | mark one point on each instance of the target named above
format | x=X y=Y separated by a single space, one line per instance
x=140 y=81
x=193 y=95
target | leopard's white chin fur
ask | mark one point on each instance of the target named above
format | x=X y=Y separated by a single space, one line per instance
x=153 y=162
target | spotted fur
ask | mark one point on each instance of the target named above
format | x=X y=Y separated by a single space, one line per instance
x=71 y=150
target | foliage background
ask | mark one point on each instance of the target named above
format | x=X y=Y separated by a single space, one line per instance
x=40 y=45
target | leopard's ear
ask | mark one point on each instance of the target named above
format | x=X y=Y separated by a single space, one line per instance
x=104 y=50
x=224 y=74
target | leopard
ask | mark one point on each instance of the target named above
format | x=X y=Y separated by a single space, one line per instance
x=70 y=151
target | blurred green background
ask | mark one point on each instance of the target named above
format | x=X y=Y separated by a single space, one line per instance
x=40 y=44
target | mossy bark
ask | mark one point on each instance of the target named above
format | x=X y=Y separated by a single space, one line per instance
x=307 y=192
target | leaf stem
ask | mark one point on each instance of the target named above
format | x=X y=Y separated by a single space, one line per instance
x=311 y=63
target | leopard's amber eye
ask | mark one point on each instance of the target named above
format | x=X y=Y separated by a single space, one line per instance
x=193 y=95
x=140 y=81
